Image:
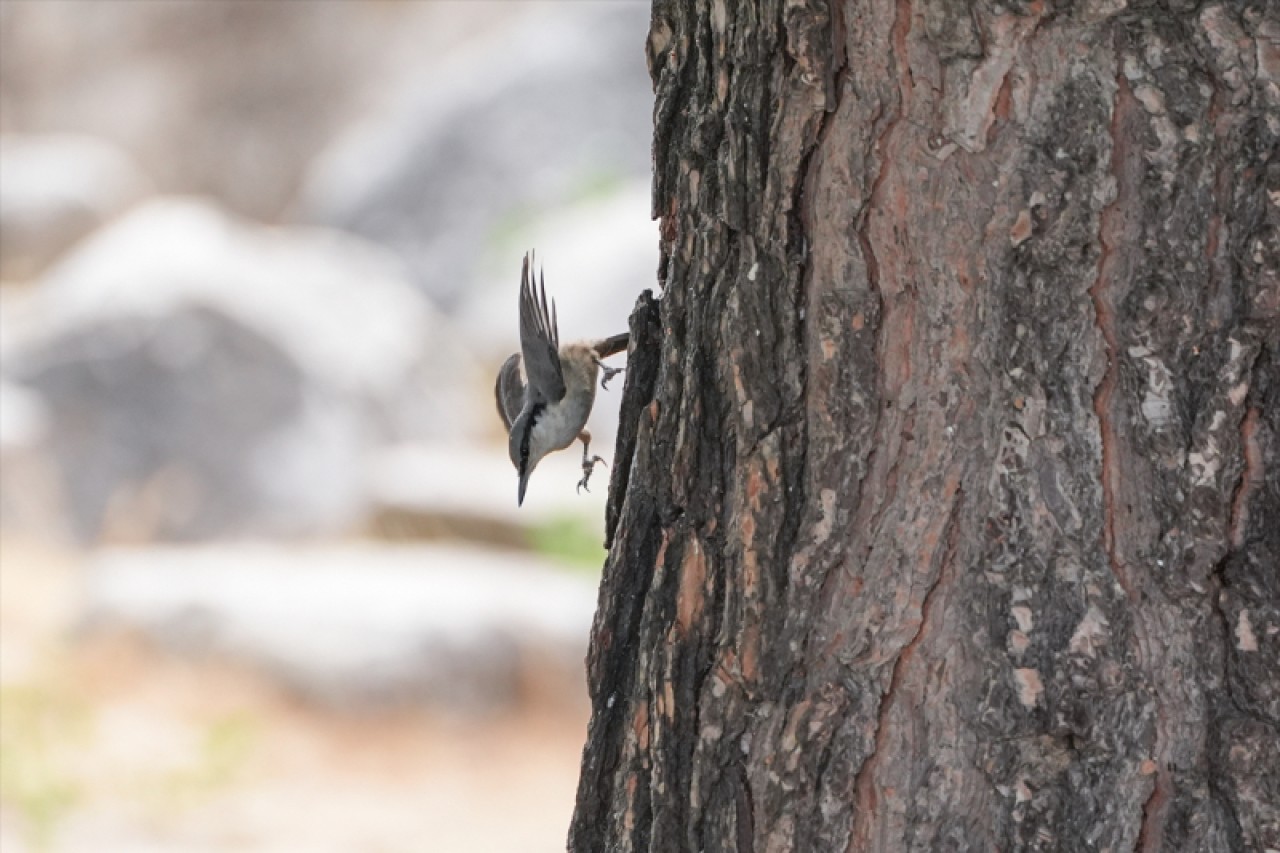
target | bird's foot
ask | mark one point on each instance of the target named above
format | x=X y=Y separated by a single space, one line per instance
x=609 y=373
x=589 y=465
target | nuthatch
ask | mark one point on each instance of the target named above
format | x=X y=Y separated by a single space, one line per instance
x=549 y=410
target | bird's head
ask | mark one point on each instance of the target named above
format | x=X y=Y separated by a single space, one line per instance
x=527 y=445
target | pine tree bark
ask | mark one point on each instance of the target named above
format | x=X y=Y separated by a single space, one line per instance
x=946 y=511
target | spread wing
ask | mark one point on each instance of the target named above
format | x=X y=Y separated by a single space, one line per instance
x=510 y=389
x=539 y=340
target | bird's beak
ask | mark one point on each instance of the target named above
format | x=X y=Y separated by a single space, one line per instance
x=524 y=483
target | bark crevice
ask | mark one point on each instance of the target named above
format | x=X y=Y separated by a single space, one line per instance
x=863 y=783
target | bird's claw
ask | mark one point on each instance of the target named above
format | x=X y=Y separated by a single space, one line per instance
x=609 y=373
x=589 y=465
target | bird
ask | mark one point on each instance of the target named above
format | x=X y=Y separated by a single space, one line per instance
x=545 y=392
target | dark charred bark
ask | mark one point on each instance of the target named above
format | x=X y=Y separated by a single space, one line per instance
x=947 y=510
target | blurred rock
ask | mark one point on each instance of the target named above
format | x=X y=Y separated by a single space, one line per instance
x=457 y=491
x=53 y=191
x=29 y=498
x=538 y=116
x=226 y=99
x=359 y=627
x=23 y=419
x=203 y=377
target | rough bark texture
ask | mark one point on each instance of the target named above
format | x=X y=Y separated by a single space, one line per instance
x=949 y=518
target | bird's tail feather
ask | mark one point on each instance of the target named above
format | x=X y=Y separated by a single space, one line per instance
x=612 y=345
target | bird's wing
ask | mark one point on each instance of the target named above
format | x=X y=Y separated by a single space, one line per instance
x=539 y=340
x=509 y=390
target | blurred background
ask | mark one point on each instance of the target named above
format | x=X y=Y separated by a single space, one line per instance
x=263 y=580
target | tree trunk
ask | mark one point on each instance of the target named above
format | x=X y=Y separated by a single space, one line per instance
x=946 y=512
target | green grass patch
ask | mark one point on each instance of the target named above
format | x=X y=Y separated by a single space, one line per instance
x=225 y=746
x=596 y=185
x=572 y=540
x=510 y=233
x=42 y=728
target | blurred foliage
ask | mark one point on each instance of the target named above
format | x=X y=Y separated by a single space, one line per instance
x=509 y=233
x=571 y=539
x=48 y=730
x=44 y=726
x=225 y=746
x=596 y=185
